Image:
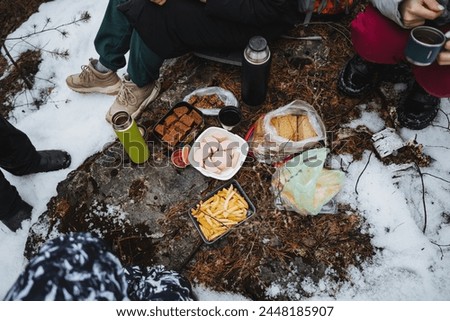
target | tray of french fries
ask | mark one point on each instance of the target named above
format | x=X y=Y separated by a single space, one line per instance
x=221 y=211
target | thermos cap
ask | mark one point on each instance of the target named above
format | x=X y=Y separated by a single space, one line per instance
x=257 y=43
x=257 y=51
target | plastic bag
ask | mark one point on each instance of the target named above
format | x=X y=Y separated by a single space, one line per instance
x=224 y=95
x=303 y=185
x=269 y=146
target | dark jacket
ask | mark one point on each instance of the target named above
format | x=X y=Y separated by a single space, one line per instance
x=182 y=26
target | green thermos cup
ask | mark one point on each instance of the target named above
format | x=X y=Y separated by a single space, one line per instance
x=130 y=137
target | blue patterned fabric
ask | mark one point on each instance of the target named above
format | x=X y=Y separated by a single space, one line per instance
x=79 y=267
x=157 y=284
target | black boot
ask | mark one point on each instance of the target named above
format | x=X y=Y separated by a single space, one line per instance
x=418 y=109
x=357 y=77
x=21 y=212
x=49 y=160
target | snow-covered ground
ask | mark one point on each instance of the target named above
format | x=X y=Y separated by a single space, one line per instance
x=408 y=265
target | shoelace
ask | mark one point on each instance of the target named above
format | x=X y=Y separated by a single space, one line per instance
x=86 y=73
x=126 y=96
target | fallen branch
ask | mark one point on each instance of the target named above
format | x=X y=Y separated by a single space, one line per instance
x=425 y=215
x=440 y=248
x=364 y=169
x=84 y=17
x=437 y=177
x=19 y=70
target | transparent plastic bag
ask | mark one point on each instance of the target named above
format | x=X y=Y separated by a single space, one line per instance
x=269 y=146
x=226 y=96
x=303 y=185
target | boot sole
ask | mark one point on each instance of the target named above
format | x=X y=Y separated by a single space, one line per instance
x=409 y=121
x=110 y=90
x=344 y=89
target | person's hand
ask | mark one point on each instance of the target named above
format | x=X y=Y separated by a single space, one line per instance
x=159 y=2
x=415 y=12
x=444 y=57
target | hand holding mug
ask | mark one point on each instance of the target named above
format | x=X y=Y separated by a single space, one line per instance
x=426 y=44
x=444 y=56
x=415 y=12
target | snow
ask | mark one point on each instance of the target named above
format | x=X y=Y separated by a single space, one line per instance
x=408 y=265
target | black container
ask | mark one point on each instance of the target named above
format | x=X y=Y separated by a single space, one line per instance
x=255 y=71
x=189 y=136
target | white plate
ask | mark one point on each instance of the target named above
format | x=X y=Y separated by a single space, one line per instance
x=229 y=172
x=225 y=95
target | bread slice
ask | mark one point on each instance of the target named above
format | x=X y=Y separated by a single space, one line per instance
x=259 y=132
x=304 y=128
x=286 y=126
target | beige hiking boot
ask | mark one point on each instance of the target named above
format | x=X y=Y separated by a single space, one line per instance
x=92 y=81
x=133 y=99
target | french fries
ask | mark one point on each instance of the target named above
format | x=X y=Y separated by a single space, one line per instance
x=220 y=212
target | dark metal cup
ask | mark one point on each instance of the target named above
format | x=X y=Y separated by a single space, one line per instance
x=229 y=117
x=424 y=45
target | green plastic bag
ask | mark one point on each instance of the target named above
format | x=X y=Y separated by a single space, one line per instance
x=303 y=184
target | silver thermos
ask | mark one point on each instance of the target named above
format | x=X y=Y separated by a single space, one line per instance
x=255 y=71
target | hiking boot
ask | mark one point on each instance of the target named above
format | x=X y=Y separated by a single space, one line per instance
x=44 y=161
x=133 y=99
x=50 y=160
x=20 y=213
x=91 y=80
x=418 y=109
x=357 y=77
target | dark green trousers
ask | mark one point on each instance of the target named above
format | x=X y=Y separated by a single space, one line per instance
x=115 y=38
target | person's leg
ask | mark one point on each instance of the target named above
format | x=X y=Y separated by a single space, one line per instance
x=143 y=64
x=140 y=87
x=19 y=157
x=183 y=26
x=421 y=104
x=17 y=153
x=9 y=197
x=13 y=210
x=115 y=38
x=377 y=39
x=435 y=79
x=112 y=41
x=417 y=108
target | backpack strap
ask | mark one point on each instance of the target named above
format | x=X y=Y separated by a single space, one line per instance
x=306 y=7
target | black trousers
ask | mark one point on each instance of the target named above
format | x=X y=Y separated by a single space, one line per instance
x=17 y=155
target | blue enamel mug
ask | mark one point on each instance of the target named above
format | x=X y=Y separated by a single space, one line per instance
x=424 y=45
